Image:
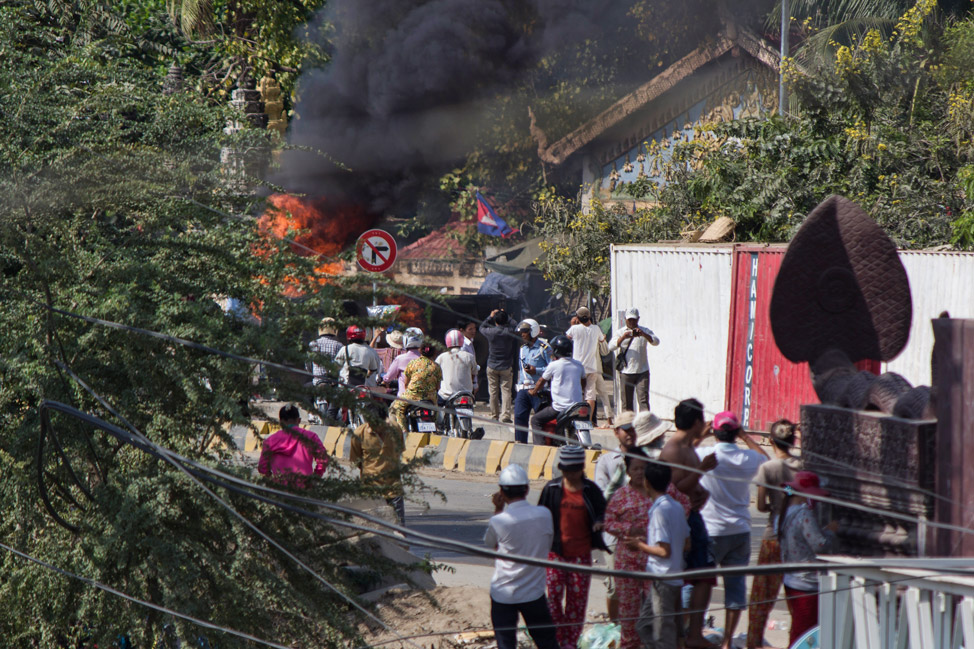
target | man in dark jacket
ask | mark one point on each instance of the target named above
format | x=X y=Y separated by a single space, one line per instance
x=577 y=509
x=502 y=345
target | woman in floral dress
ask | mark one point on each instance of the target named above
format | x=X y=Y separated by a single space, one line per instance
x=628 y=514
x=422 y=380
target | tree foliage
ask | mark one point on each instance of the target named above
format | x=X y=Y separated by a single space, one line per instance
x=888 y=123
x=114 y=204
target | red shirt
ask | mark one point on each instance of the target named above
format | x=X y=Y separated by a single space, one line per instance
x=576 y=534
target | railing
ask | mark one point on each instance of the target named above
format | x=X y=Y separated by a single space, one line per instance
x=915 y=605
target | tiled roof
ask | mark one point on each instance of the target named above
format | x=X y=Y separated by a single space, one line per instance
x=437 y=244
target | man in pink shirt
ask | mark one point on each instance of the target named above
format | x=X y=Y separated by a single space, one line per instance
x=292 y=451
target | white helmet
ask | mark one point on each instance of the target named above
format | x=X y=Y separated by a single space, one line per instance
x=513 y=475
x=412 y=340
x=529 y=323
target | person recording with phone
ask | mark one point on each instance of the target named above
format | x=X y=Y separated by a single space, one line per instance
x=629 y=344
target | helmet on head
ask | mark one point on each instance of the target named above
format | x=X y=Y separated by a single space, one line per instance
x=454 y=338
x=413 y=330
x=355 y=333
x=513 y=475
x=561 y=346
x=412 y=340
x=530 y=326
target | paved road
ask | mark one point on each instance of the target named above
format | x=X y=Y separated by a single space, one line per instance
x=464 y=517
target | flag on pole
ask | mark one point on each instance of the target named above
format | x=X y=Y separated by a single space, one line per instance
x=488 y=222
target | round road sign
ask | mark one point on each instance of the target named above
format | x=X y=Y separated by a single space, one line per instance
x=376 y=251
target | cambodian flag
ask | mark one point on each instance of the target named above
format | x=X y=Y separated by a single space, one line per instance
x=488 y=222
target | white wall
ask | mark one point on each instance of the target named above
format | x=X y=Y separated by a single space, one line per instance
x=683 y=294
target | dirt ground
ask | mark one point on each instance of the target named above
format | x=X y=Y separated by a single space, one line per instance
x=415 y=616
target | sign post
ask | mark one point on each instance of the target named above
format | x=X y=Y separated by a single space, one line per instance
x=376 y=252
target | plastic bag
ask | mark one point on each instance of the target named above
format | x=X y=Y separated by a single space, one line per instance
x=601 y=636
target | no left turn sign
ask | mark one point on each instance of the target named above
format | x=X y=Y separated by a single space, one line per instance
x=376 y=251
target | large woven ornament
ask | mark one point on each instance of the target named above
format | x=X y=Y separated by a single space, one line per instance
x=841 y=286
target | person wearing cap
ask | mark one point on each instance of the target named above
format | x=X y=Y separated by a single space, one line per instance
x=324 y=349
x=412 y=342
x=502 y=344
x=782 y=468
x=520 y=528
x=727 y=513
x=585 y=337
x=629 y=344
x=801 y=540
x=533 y=359
x=577 y=511
x=680 y=451
x=627 y=514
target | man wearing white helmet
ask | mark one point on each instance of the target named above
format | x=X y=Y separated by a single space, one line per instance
x=412 y=340
x=534 y=357
x=516 y=588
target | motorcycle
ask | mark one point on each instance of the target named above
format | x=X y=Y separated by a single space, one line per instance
x=573 y=424
x=421 y=418
x=458 y=417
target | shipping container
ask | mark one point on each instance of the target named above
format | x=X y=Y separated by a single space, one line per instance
x=939 y=281
x=683 y=295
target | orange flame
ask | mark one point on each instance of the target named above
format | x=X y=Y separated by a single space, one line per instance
x=324 y=229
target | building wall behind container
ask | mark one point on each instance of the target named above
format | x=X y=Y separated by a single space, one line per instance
x=939 y=281
x=683 y=295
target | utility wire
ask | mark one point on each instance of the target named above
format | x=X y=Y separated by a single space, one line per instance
x=166 y=455
x=302 y=371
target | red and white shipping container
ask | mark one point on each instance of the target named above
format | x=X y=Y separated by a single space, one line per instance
x=709 y=305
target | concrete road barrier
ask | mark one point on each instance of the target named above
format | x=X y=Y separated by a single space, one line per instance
x=519 y=454
x=255 y=440
x=330 y=440
x=452 y=450
x=414 y=442
x=434 y=449
x=551 y=469
x=540 y=456
x=482 y=456
x=343 y=447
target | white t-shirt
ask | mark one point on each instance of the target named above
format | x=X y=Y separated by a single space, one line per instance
x=667 y=524
x=523 y=529
x=458 y=368
x=585 y=346
x=727 y=511
x=361 y=356
x=565 y=376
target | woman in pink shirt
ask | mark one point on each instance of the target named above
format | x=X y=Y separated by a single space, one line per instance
x=292 y=450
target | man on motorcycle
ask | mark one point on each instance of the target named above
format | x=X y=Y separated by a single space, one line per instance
x=459 y=367
x=533 y=359
x=360 y=364
x=567 y=378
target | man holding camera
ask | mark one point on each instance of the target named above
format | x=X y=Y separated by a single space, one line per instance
x=629 y=343
x=502 y=346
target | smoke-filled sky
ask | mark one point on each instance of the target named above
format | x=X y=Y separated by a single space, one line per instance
x=406 y=94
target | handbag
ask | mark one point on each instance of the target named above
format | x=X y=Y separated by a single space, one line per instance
x=621 y=358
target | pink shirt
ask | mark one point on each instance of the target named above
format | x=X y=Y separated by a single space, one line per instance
x=294 y=450
x=398 y=367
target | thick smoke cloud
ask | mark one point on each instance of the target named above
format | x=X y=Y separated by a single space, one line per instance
x=408 y=84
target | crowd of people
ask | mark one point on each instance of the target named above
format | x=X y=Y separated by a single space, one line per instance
x=660 y=504
x=532 y=377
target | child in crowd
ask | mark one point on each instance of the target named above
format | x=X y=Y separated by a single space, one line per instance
x=666 y=538
x=801 y=538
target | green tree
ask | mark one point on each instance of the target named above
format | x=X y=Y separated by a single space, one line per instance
x=114 y=204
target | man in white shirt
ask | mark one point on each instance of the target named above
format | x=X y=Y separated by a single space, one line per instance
x=727 y=514
x=585 y=337
x=516 y=588
x=360 y=364
x=629 y=344
x=566 y=376
x=459 y=368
